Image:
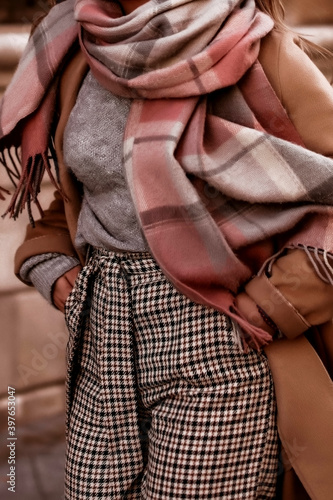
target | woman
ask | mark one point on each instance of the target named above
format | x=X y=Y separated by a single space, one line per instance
x=181 y=171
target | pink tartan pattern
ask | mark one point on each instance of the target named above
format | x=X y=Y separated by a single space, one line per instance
x=130 y=54
x=219 y=189
x=162 y=403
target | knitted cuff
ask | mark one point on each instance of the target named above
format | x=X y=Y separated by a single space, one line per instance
x=43 y=271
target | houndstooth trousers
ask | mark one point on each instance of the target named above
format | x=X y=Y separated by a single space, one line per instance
x=161 y=401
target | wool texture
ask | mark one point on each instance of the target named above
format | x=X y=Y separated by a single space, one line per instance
x=227 y=180
x=43 y=271
x=93 y=141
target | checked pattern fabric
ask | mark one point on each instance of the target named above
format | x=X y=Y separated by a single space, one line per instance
x=162 y=403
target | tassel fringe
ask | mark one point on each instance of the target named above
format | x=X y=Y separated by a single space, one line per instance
x=27 y=182
x=322 y=261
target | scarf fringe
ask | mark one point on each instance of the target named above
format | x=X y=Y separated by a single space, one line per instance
x=321 y=260
x=27 y=183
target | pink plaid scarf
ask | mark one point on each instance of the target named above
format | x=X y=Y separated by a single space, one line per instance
x=216 y=170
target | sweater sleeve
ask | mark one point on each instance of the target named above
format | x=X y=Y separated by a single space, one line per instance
x=50 y=235
x=43 y=270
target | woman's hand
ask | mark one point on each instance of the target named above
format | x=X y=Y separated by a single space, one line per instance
x=248 y=308
x=63 y=287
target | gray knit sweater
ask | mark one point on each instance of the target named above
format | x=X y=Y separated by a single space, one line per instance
x=93 y=151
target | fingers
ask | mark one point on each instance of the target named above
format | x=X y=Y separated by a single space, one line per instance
x=63 y=287
x=61 y=290
x=71 y=275
x=249 y=310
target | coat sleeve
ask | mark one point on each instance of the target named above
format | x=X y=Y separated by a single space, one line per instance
x=49 y=235
x=302 y=89
x=55 y=231
x=293 y=297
